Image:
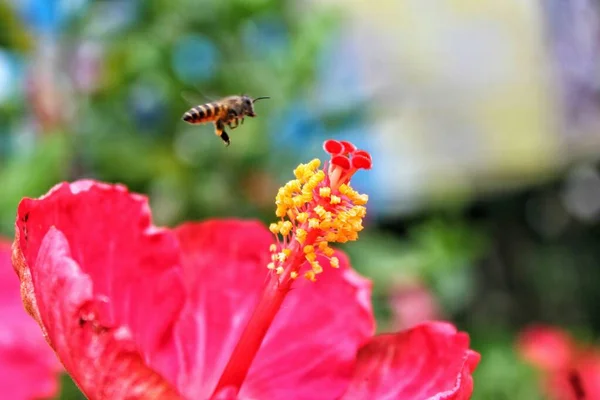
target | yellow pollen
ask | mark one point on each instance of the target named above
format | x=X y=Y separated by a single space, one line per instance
x=320 y=211
x=325 y=192
x=316 y=267
x=300 y=205
x=331 y=236
x=286 y=228
x=300 y=235
x=361 y=199
x=274 y=228
x=313 y=223
x=335 y=263
x=325 y=225
x=311 y=256
x=302 y=217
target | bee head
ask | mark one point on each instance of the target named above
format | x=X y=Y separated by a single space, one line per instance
x=248 y=104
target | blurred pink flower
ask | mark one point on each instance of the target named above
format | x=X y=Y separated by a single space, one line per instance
x=412 y=303
x=135 y=311
x=29 y=367
x=570 y=372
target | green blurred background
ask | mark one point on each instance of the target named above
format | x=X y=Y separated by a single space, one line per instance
x=482 y=118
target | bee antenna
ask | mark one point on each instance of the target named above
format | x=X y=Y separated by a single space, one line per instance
x=260 y=98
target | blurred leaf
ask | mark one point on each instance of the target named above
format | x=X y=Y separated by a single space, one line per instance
x=31 y=175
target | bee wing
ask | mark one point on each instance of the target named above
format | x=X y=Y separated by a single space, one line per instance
x=195 y=97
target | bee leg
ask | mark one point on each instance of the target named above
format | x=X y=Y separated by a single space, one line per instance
x=220 y=131
x=230 y=123
x=242 y=120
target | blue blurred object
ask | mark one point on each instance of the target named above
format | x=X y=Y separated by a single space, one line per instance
x=195 y=58
x=46 y=17
x=339 y=77
x=297 y=126
x=148 y=103
x=265 y=36
x=11 y=75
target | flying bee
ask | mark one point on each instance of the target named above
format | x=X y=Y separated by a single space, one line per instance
x=229 y=111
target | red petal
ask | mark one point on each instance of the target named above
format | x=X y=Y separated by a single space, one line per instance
x=29 y=367
x=224 y=267
x=311 y=346
x=578 y=381
x=348 y=147
x=587 y=368
x=361 y=162
x=429 y=361
x=104 y=285
x=333 y=147
x=341 y=161
x=546 y=347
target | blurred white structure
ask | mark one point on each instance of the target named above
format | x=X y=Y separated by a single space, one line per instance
x=475 y=96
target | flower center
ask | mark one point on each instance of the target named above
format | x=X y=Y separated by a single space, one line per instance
x=317 y=208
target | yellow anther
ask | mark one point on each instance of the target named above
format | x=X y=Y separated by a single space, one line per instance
x=274 y=228
x=302 y=217
x=325 y=192
x=320 y=211
x=310 y=275
x=299 y=201
x=314 y=164
x=316 y=267
x=271 y=265
x=325 y=225
x=307 y=197
x=286 y=228
x=300 y=235
x=331 y=236
x=300 y=206
x=313 y=223
x=335 y=263
x=361 y=199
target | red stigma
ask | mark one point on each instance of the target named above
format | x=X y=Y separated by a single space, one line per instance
x=345 y=160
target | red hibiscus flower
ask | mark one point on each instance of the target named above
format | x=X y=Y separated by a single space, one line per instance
x=219 y=309
x=29 y=367
x=569 y=372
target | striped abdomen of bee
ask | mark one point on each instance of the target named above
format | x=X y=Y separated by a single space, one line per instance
x=208 y=112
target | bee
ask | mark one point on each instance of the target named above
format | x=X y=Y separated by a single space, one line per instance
x=229 y=111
